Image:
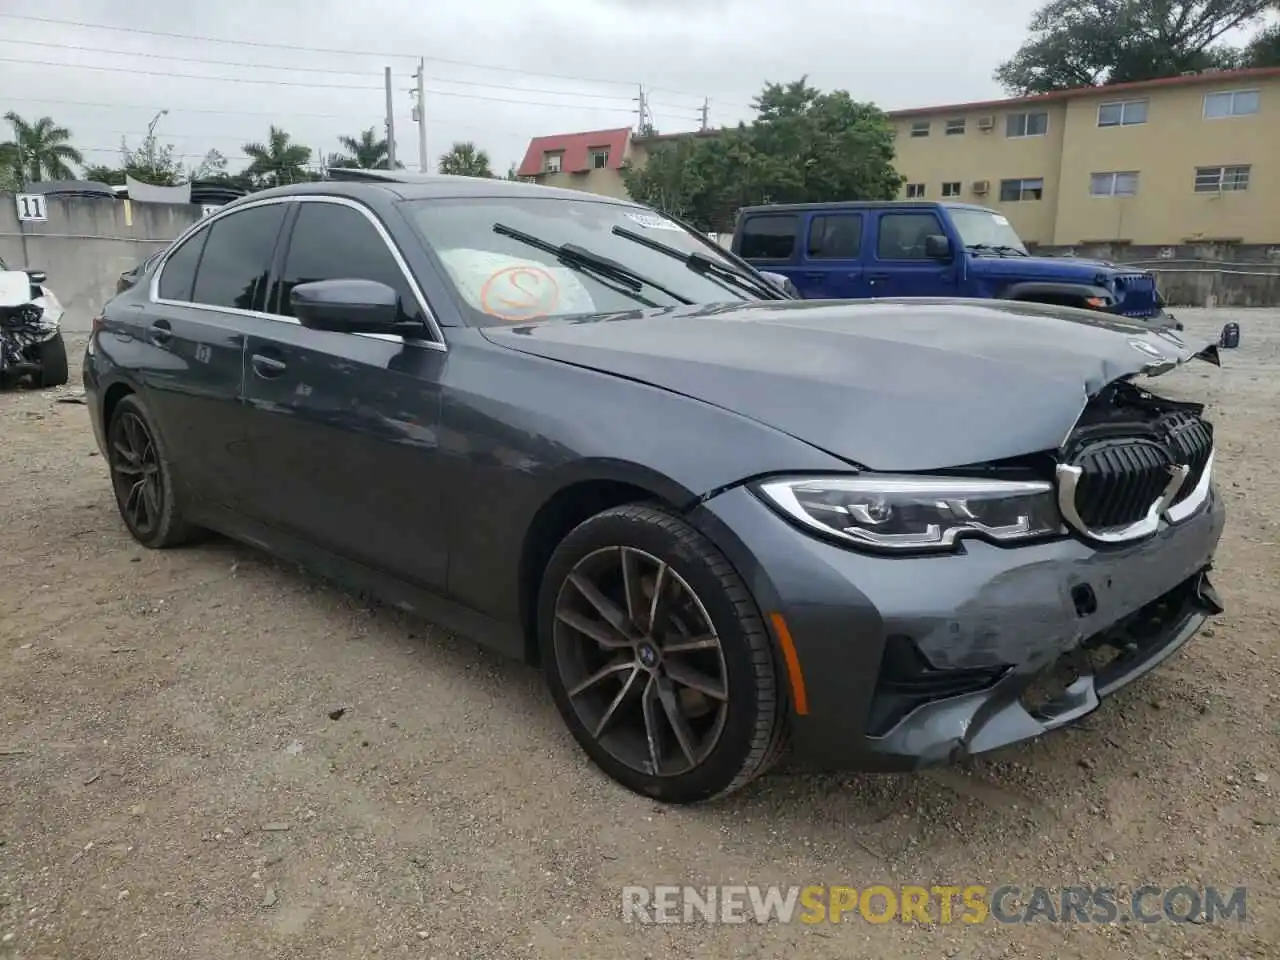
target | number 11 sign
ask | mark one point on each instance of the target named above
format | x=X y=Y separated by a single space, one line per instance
x=31 y=207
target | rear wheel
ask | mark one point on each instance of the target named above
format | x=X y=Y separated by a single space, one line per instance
x=658 y=660
x=142 y=477
x=53 y=361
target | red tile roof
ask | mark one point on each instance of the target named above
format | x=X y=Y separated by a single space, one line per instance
x=575 y=147
x=1219 y=76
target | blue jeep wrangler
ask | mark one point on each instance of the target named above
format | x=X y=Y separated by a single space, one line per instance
x=856 y=250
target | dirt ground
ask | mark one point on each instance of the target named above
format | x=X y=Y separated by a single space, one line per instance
x=172 y=783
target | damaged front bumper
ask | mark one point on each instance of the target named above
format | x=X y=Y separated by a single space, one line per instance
x=905 y=662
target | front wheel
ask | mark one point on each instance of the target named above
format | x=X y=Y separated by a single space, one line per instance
x=657 y=657
x=53 y=361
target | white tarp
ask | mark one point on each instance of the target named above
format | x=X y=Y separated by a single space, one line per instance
x=140 y=192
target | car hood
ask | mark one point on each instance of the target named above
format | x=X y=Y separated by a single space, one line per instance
x=886 y=384
x=1055 y=268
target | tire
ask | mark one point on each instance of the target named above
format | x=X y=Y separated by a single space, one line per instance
x=745 y=732
x=53 y=361
x=132 y=427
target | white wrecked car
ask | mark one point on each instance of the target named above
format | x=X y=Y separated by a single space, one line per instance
x=31 y=342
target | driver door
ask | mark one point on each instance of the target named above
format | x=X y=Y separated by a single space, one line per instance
x=343 y=426
x=901 y=267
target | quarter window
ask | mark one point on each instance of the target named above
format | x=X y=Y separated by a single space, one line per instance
x=1230 y=103
x=334 y=242
x=1219 y=179
x=769 y=238
x=835 y=237
x=1027 y=124
x=1119 y=184
x=179 y=276
x=237 y=258
x=902 y=235
x=1011 y=190
x=1124 y=113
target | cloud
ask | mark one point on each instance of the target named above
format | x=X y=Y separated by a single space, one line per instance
x=567 y=66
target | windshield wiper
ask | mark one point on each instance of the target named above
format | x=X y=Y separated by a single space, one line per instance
x=701 y=263
x=572 y=255
x=997 y=248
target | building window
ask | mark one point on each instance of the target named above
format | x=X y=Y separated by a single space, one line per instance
x=1219 y=179
x=1231 y=103
x=915 y=191
x=1120 y=184
x=951 y=189
x=955 y=127
x=1027 y=124
x=551 y=162
x=920 y=128
x=1125 y=113
x=599 y=158
x=1011 y=190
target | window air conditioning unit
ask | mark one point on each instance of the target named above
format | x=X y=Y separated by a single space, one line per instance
x=986 y=123
x=981 y=186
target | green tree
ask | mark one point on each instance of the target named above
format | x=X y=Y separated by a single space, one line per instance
x=367 y=152
x=465 y=159
x=101 y=173
x=804 y=146
x=1080 y=43
x=278 y=161
x=151 y=162
x=39 y=151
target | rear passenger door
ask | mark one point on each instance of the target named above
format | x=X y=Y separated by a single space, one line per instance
x=210 y=294
x=343 y=427
x=900 y=266
x=832 y=267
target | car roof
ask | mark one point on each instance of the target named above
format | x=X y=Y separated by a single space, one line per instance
x=834 y=205
x=403 y=185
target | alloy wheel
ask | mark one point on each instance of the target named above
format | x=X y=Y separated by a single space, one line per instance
x=641 y=661
x=135 y=473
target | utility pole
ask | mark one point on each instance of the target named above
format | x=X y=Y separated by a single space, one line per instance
x=391 y=123
x=706 y=106
x=420 y=115
x=643 y=111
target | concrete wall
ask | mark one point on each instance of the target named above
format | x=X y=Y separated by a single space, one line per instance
x=86 y=244
x=1197 y=275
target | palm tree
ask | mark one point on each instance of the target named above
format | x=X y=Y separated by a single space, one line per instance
x=465 y=160
x=278 y=161
x=39 y=151
x=366 y=152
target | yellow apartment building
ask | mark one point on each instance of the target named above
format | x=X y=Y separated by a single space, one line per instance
x=1187 y=159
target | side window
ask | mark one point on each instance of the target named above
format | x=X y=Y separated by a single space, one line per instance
x=902 y=235
x=179 y=277
x=334 y=242
x=771 y=237
x=835 y=237
x=237 y=258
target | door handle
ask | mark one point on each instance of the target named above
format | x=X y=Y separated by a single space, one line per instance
x=267 y=367
x=814 y=276
x=873 y=277
x=161 y=332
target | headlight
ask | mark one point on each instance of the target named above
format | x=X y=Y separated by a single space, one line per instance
x=916 y=513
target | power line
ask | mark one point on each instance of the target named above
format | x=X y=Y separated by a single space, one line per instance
x=153 y=107
x=385 y=54
x=293 y=69
x=313 y=86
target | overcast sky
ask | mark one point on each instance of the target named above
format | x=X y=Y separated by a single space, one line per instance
x=571 y=65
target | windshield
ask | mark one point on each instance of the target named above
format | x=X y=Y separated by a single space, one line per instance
x=500 y=278
x=982 y=227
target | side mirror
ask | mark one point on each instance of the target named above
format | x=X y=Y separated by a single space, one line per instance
x=346 y=306
x=937 y=247
x=37 y=276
